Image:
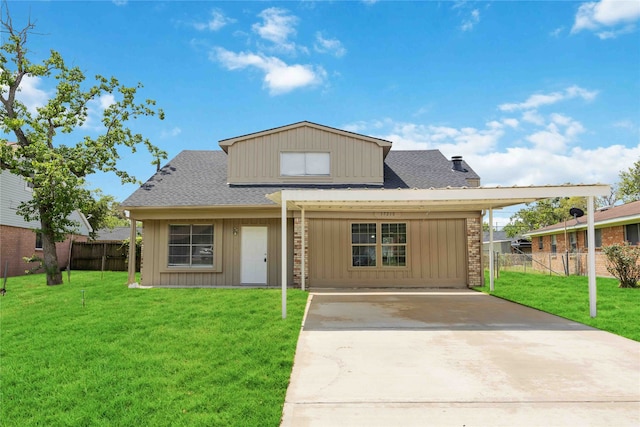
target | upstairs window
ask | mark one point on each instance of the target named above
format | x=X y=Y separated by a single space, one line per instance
x=191 y=245
x=305 y=164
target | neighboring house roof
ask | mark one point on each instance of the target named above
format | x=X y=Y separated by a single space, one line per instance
x=628 y=213
x=498 y=236
x=115 y=234
x=199 y=178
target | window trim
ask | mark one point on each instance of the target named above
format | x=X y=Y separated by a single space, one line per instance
x=217 y=248
x=626 y=234
x=379 y=246
x=540 y=243
x=304 y=175
x=597 y=235
x=554 y=244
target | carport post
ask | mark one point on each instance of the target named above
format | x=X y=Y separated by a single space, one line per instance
x=283 y=273
x=303 y=229
x=491 y=279
x=591 y=255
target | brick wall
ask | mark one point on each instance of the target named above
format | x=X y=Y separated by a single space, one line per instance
x=474 y=252
x=17 y=243
x=545 y=259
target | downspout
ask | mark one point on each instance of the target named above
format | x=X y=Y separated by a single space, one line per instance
x=132 y=251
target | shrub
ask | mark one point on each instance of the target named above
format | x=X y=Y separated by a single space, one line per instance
x=622 y=263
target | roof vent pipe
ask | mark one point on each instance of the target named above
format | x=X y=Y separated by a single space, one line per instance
x=457 y=164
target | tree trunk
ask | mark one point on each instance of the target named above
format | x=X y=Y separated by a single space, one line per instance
x=50 y=256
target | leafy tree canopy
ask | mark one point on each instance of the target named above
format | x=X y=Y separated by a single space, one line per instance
x=543 y=213
x=629 y=185
x=58 y=171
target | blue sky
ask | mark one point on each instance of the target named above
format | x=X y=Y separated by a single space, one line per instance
x=528 y=92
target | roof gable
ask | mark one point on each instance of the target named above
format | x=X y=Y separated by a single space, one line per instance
x=386 y=145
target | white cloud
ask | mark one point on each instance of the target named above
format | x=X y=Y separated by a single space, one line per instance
x=471 y=21
x=120 y=2
x=333 y=46
x=218 y=21
x=451 y=141
x=532 y=116
x=30 y=93
x=626 y=124
x=538 y=100
x=549 y=160
x=607 y=13
x=556 y=32
x=175 y=131
x=279 y=77
x=277 y=26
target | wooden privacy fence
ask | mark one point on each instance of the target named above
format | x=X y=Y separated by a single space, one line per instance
x=101 y=256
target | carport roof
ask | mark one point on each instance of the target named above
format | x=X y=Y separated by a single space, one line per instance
x=432 y=199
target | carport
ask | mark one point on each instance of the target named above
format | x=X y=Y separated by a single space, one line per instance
x=485 y=199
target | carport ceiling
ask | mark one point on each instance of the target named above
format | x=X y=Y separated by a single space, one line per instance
x=433 y=199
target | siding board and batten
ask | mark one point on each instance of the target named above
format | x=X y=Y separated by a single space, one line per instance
x=436 y=255
x=256 y=160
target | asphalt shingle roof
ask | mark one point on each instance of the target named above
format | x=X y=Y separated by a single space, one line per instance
x=609 y=214
x=199 y=178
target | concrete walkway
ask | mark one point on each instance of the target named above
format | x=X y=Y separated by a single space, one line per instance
x=456 y=358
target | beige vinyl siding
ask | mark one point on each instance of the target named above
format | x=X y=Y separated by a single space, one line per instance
x=436 y=255
x=257 y=160
x=227 y=252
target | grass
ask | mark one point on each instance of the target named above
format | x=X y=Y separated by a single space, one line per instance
x=144 y=357
x=618 y=310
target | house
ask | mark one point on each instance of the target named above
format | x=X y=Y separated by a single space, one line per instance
x=311 y=204
x=562 y=246
x=207 y=220
x=18 y=239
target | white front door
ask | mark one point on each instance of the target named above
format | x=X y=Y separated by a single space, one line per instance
x=253 y=249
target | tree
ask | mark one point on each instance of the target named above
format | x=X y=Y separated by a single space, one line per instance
x=543 y=213
x=102 y=212
x=629 y=186
x=56 y=171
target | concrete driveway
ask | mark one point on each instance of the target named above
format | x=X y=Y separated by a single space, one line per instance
x=456 y=358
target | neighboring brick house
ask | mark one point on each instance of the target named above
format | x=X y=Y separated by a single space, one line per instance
x=563 y=246
x=18 y=238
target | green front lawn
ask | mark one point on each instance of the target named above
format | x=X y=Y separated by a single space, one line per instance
x=143 y=357
x=618 y=310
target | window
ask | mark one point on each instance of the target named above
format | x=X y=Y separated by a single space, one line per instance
x=38 y=240
x=363 y=245
x=554 y=244
x=632 y=234
x=540 y=243
x=573 y=241
x=305 y=164
x=191 y=245
x=394 y=245
x=387 y=239
x=598 y=236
